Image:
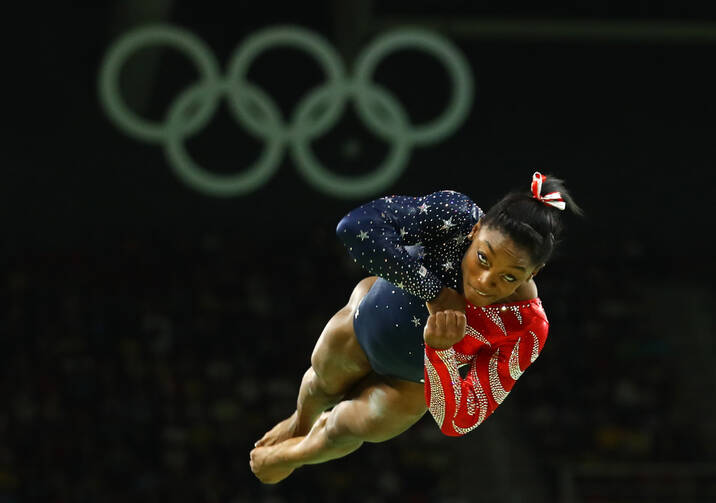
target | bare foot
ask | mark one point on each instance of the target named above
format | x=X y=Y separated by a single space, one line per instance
x=282 y=431
x=266 y=465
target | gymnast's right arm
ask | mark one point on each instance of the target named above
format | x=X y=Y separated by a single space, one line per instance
x=377 y=232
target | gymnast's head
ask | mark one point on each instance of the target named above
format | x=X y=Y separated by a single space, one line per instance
x=513 y=241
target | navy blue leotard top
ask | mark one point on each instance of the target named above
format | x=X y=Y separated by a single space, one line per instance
x=415 y=245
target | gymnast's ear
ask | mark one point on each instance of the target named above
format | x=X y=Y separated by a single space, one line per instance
x=474 y=231
x=537 y=270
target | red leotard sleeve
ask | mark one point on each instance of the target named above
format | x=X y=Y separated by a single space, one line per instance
x=461 y=405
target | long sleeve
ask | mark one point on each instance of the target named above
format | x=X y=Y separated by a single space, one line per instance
x=377 y=234
x=460 y=405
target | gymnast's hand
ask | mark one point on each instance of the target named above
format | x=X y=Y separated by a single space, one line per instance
x=448 y=299
x=444 y=328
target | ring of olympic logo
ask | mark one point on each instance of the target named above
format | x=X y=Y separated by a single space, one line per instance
x=315 y=113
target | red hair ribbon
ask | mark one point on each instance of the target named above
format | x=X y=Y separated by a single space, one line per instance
x=551 y=199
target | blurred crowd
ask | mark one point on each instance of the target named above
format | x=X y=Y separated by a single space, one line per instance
x=146 y=372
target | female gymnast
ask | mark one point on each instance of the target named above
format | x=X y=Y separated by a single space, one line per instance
x=452 y=287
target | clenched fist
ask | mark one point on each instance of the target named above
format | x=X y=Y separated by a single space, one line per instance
x=444 y=328
x=448 y=299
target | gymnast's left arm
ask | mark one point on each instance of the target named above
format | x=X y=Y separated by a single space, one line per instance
x=460 y=405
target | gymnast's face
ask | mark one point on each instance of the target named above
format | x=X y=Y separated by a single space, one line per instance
x=494 y=268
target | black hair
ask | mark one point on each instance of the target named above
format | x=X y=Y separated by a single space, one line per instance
x=529 y=222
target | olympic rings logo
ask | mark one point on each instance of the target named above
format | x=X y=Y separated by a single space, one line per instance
x=317 y=112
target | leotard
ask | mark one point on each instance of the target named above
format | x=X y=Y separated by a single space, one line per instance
x=415 y=245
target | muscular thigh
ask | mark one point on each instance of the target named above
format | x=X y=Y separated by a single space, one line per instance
x=378 y=409
x=337 y=359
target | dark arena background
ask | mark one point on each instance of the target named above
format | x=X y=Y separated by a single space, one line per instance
x=173 y=175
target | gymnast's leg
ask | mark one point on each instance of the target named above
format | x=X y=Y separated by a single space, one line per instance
x=380 y=409
x=337 y=363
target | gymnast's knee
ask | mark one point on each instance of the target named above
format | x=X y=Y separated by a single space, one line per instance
x=333 y=375
x=318 y=386
x=336 y=430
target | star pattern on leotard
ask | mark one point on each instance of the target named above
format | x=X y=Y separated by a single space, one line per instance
x=417 y=242
x=447 y=224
